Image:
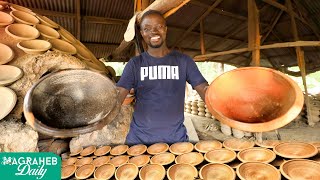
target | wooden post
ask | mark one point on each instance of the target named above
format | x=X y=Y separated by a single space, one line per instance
x=202 y=44
x=253 y=32
x=78 y=19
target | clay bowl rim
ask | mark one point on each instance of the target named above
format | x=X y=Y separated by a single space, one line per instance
x=90 y=150
x=140 y=156
x=294 y=160
x=222 y=149
x=18 y=74
x=80 y=168
x=12 y=104
x=163 y=154
x=45 y=33
x=135 y=146
x=189 y=144
x=126 y=164
x=237 y=149
x=120 y=156
x=264 y=164
x=102 y=166
x=198 y=154
x=276 y=123
x=78 y=150
x=196 y=146
x=15 y=25
x=16 y=7
x=157 y=144
x=124 y=150
x=21 y=45
x=74 y=170
x=94 y=162
x=148 y=165
x=3 y=24
x=67 y=36
x=24 y=15
x=102 y=148
x=83 y=159
x=220 y=164
x=273 y=157
x=7 y=50
x=71 y=48
x=47 y=21
x=267 y=146
x=316 y=151
x=195 y=170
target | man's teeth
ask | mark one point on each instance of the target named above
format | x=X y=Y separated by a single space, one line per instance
x=155 y=38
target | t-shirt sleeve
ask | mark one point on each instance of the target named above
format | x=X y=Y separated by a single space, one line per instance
x=127 y=79
x=194 y=77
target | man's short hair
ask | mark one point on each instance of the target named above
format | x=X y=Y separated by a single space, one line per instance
x=150 y=12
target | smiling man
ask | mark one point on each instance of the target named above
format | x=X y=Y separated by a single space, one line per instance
x=158 y=77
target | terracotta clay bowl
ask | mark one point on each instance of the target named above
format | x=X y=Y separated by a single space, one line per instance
x=64 y=163
x=137 y=150
x=277 y=162
x=62 y=46
x=295 y=150
x=127 y=171
x=118 y=150
x=87 y=151
x=67 y=171
x=101 y=161
x=158 y=148
x=152 y=172
x=24 y=17
x=237 y=144
x=257 y=170
x=119 y=160
x=182 y=172
x=35 y=46
x=85 y=171
x=83 y=161
x=16 y=7
x=76 y=151
x=8 y=101
x=140 y=160
x=47 y=32
x=103 y=150
x=9 y=74
x=67 y=36
x=268 y=143
x=71 y=161
x=193 y=158
x=163 y=158
x=48 y=22
x=5 y=19
x=300 y=169
x=181 y=148
x=22 y=31
x=220 y=156
x=205 y=146
x=256 y=154
x=6 y=53
x=214 y=171
x=82 y=52
x=105 y=171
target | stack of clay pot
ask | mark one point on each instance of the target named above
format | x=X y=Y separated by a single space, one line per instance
x=201 y=108
x=194 y=107
x=187 y=107
x=208 y=114
x=312 y=112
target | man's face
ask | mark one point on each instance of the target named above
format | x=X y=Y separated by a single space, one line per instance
x=153 y=30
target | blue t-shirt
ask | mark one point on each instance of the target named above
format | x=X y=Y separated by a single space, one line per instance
x=159 y=85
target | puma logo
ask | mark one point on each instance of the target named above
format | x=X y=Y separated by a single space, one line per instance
x=159 y=72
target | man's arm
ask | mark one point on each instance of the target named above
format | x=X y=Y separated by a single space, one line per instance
x=122 y=94
x=201 y=89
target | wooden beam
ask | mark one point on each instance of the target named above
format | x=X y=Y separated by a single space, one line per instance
x=103 y=20
x=253 y=32
x=202 y=44
x=272 y=25
x=78 y=19
x=172 y=11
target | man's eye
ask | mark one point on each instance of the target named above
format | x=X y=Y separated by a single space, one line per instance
x=146 y=29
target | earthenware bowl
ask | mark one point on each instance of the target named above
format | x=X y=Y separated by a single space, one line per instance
x=119 y=160
x=62 y=46
x=85 y=171
x=5 y=19
x=71 y=161
x=256 y=154
x=82 y=52
x=295 y=150
x=300 y=169
x=163 y=158
x=137 y=150
x=181 y=148
x=208 y=145
x=152 y=171
x=16 y=7
x=193 y=158
x=182 y=172
x=35 y=46
x=237 y=144
x=48 y=22
x=158 y=148
x=87 y=151
x=254 y=170
x=24 y=17
x=127 y=171
x=83 y=161
x=9 y=74
x=103 y=150
x=76 y=151
x=118 y=150
x=67 y=36
x=8 y=101
x=105 y=171
x=217 y=171
x=47 y=32
x=67 y=171
x=220 y=156
x=6 y=53
x=268 y=143
x=140 y=160
x=22 y=31
x=101 y=161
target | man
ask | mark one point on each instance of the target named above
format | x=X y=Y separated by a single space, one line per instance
x=158 y=77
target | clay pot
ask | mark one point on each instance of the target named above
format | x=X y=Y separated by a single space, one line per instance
x=193 y=158
x=6 y=53
x=48 y=22
x=16 y=7
x=237 y=144
x=87 y=151
x=105 y=171
x=8 y=101
x=205 y=146
x=152 y=171
x=22 y=31
x=24 y=17
x=102 y=150
x=35 y=46
x=119 y=160
x=67 y=171
x=62 y=46
x=83 y=161
x=76 y=151
x=162 y=159
x=47 y=32
x=67 y=36
x=182 y=172
x=71 y=161
x=127 y=171
x=140 y=160
x=263 y=100
x=82 y=53
x=300 y=169
x=157 y=148
x=118 y=150
x=181 y=148
x=268 y=143
x=9 y=74
x=256 y=154
x=5 y=19
x=217 y=171
x=295 y=150
x=220 y=156
x=252 y=170
x=85 y=171
x=137 y=150
x=101 y=161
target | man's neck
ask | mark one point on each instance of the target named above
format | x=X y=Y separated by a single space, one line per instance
x=158 y=52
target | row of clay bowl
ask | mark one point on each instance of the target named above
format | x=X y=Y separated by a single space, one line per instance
x=219 y=160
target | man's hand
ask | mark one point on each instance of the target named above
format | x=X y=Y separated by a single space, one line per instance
x=201 y=89
x=122 y=94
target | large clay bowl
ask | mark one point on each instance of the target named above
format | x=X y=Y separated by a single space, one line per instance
x=254 y=99
x=193 y=158
x=67 y=171
x=295 y=150
x=67 y=36
x=62 y=46
x=152 y=172
x=48 y=22
x=268 y=143
x=220 y=156
x=237 y=144
x=163 y=158
x=82 y=52
x=16 y=7
x=257 y=170
x=105 y=171
x=5 y=19
x=256 y=154
x=76 y=151
x=24 y=17
x=71 y=161
x=8 y=101
x=6 y=53
x=181 y=148
x=84 y=171
x=182 y=172
x=215 y=171
x=118 y=150
x=87 y=151
x=83 y=161
x=103 y=150
x=158 y=148
x=9 y=74
x=35 y=46
x=101 y=161
x=300 y=169
x=140 y=160
x=22 y=31
x=127 y=172
x=47 y=32
x=137 y=150
x=119 y=160
x=205 y=146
